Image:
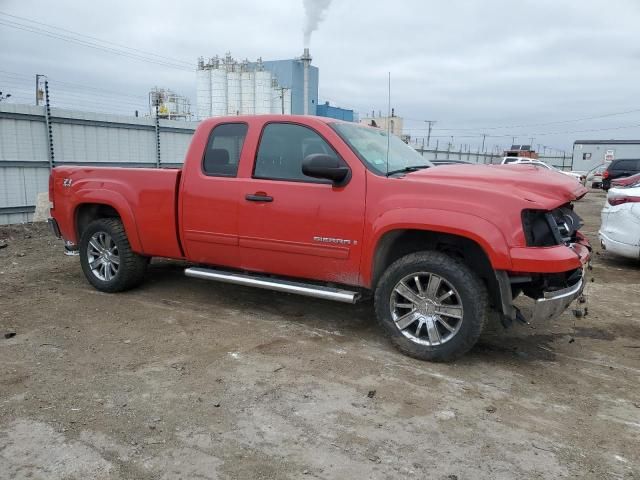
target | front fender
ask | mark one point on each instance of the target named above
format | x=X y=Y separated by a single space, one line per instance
x=487 y=235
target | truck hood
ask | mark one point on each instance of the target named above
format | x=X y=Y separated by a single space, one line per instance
x=544 y=188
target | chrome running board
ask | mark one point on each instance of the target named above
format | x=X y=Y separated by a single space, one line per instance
x=268 y=283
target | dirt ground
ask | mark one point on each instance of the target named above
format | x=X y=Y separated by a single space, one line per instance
x=188 y=379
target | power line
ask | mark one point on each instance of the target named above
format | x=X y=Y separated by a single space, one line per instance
x=144 y=52
x=56 y=82
x=79 y=99
x=506 y=135
x=122 y=53
x=558 y=122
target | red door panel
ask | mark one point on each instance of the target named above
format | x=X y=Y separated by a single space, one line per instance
x=299 y=227
x=308 y=230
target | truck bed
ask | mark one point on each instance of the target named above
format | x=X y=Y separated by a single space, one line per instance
x=145 y=198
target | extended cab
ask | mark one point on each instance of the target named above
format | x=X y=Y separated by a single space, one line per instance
x=336 y=210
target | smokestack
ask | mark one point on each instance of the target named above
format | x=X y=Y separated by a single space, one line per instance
x=306 y=61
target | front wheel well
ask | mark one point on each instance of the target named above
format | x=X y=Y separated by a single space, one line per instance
x=398 y=243
x=88 y=212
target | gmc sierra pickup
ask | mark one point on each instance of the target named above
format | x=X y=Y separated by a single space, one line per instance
x=336 y=210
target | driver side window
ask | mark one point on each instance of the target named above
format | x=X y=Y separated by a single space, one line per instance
x=283 y=147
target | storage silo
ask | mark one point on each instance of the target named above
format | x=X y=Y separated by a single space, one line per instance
x=233 y=89
x=276 y=106
x=218 y=92
x=287 y=101
x=247 y=91
x=203 y=92
x=263 y=92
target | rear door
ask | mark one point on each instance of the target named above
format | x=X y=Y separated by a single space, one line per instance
x=295 y=225
x=209 y=198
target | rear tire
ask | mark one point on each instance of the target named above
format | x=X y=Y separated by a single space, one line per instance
x=441 y=316
x=106 y=257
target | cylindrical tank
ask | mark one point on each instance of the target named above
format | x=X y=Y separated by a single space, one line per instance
x=263 y=92
x=247 y=93
x=287 y=101
x=275 y=100
x=218 y=92
x=203 y=93
x=233 y=91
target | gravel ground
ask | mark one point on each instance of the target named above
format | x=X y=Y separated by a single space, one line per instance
x=182 y=378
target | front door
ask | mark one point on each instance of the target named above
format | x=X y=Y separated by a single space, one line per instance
x=294 y=225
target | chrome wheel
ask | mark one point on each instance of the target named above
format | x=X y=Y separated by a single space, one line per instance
x=102 y=256
x=426 y=308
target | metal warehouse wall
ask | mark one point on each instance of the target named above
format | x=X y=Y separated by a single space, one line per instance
x=588 y=154
x=78 y=138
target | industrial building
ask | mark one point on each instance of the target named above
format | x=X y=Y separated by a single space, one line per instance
x=168 y=104
x=226 y=86
x=393 y=122
x=588 y=154
x=326 y=110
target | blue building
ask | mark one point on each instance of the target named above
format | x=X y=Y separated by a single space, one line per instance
x=326 y=110
x=290 y=74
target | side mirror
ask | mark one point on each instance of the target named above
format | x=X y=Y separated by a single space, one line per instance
x=320 y=165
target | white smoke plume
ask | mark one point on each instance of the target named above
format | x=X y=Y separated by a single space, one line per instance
x=314 y=11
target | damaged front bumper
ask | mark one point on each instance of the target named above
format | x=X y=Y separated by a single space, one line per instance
x=552 y=293
x=555 y=302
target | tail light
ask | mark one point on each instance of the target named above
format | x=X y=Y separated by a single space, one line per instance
x=51 y=187
x=605 y=174
x=620 y=199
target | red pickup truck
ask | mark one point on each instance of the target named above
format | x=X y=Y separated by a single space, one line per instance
x=336 y=210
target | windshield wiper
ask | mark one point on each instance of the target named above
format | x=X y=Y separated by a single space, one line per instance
x=412 y=168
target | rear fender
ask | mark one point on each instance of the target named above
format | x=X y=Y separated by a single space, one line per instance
x=118 y=202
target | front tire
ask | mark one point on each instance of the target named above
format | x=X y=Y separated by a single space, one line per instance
x=432 y=306
x=106 y=257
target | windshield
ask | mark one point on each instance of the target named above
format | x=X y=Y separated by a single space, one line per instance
x=370 y=144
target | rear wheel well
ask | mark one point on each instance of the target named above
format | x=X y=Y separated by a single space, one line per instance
x=398 y=243
x=88 y=212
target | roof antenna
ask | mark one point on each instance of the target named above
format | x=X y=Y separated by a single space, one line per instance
x=388 y=122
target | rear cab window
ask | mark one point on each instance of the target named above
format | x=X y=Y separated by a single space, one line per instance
x=222 y=155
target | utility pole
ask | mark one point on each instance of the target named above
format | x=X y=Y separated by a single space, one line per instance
x=513 y=140
x=282 y=89
x=47 y=120
x=430 y=123
x=39 y=92
x=484 y=137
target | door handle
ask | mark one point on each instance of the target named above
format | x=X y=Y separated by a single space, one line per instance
x=259 y=197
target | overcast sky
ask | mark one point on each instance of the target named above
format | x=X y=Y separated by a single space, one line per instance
x=470 y=65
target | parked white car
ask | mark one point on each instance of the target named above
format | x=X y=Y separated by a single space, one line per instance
x=579 y=176
x=620 y=229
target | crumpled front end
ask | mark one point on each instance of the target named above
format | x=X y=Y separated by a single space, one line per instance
x=551 y=269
